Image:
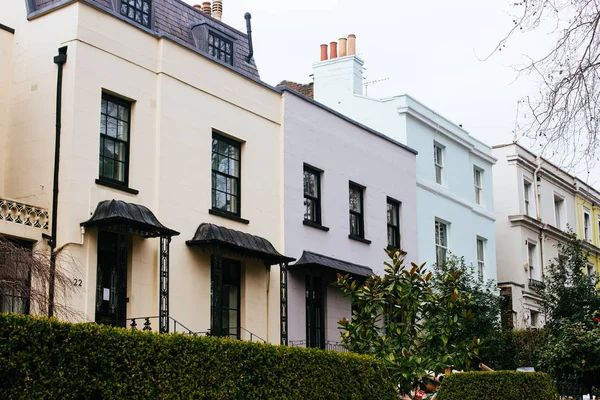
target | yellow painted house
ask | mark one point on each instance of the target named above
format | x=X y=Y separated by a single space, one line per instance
x=587 y=208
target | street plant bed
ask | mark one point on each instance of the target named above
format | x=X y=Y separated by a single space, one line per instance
x=501 y=385
x=44 y=358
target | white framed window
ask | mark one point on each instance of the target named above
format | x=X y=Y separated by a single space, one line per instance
x=598 y=226
x=438 y=162
x=478 y=182
x=587 y=225
x=441 y=242
x=558 y=211
x=531 y=259
x=527 y=197
x=590 y=269
x=480 y=257
x=535 y=318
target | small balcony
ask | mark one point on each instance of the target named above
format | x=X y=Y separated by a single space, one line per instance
x=536 y=285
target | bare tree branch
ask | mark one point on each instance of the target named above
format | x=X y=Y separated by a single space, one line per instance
x=563 y=118
x=24 y=275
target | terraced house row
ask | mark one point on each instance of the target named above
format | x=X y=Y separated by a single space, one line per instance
x=138 y=138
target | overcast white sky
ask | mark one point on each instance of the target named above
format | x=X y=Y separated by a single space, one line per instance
x=428 y=49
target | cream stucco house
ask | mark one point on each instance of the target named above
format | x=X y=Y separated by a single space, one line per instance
x=170 y=178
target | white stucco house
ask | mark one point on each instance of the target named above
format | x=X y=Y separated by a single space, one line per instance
x=455 y=202
x=349 y=193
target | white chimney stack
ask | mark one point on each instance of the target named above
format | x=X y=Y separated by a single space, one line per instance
x=217 y=9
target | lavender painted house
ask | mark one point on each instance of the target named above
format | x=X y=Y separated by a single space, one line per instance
x=349 y=192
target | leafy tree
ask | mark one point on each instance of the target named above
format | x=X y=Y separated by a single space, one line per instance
x=411 y=326
x=574 y=351
x=570 y=294
x=485 y=302
x=565 y=115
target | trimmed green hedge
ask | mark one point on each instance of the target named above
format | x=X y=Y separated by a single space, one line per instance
x=44 y=358
x=513 y=349
x=501 y=385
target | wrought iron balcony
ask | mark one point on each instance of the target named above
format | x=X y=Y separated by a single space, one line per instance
x=536 y=285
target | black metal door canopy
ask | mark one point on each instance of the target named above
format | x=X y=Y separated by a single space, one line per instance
x=221 y=241
x=128 y=218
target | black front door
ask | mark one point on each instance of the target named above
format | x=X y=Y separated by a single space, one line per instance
x=315 y=318
x=111 y=284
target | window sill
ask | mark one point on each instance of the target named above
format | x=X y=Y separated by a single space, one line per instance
x=225 y=214
x=359 y=239
x=392 y=248
x=315 y=225
x=112 y=185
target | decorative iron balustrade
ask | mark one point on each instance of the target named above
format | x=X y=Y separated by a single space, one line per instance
x=23 y=214
x=536 y=285
x=329 y=345
x=145 y=324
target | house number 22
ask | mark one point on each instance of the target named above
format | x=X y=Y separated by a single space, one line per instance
x=77 y=282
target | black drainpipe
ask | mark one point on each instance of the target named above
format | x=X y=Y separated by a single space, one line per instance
x=249 y=30
x=60 y=61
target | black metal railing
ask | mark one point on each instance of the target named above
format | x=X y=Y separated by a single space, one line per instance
x=329 y=345
x=145 y=324
x=536 y=285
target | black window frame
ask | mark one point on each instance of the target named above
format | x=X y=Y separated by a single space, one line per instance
x=360 y=215
x=128 y=6
x=238 y=179
x=105 y=136
x=391 y=227
x=316 y=200
x=217 y=51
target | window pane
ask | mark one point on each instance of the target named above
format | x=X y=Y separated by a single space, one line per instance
x=355 y=204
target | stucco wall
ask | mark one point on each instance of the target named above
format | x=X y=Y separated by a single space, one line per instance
x=345 y=153
x=6 y=71
x=178 y=98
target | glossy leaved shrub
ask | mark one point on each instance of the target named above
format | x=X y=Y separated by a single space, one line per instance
x=44 y=358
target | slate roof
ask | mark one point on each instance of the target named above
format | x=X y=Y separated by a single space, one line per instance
x=173 y=18
x=139 y=219
x=306 y=89
x=309 y=259
x=208 y=235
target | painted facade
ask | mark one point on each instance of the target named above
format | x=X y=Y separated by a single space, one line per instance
x=587 y=200
x=176 y=98
x=339 y=152
x=454 y=187
x=535 y=203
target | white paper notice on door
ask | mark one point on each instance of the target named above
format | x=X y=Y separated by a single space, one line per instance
x=106 y=294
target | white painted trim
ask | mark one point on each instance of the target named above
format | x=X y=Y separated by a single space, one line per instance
x=442 y=191
x=449 y=134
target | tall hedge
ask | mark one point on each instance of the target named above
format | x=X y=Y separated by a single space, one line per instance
x=44 y=358
x=501 y=385
x=511 y=349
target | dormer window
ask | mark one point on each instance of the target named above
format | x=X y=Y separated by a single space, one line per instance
x=137 y=10
x=220 y=48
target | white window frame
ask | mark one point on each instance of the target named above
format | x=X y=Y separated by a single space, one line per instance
x=527 y=197
x=559 y=203
x=532 y=259
x=587 y=224
x=438 y=162
x=480 y=257
x=592 y=268
x=441 y=241
x=478 y=172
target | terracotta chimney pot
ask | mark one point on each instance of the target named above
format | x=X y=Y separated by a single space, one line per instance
x=206 y=8
x=198 y=7
x=342 y=47
x=351 y=45
x=217 y=9
x=323 y=52
x=333 y=50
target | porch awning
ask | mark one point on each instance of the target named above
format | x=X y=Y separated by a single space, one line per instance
x=213 y=236
x=313 y=259
x=139 y=220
